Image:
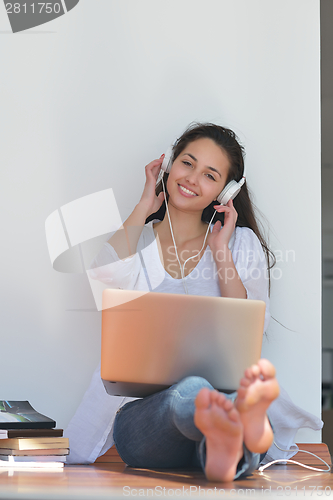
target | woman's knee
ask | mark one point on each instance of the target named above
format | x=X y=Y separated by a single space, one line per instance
x=191 y=385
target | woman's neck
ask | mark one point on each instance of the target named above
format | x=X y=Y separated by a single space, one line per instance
x=186 y=226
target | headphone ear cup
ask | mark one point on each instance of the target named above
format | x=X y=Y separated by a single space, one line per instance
x=229 y=192
x=166 y=164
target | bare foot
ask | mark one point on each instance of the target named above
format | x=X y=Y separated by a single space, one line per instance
x=257 y=390
x=218 y=420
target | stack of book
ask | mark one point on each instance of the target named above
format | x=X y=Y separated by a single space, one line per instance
x=28 y=438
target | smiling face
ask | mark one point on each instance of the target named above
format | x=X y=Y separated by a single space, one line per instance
x=198 y=175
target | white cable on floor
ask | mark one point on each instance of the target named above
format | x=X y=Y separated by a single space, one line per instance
x=263 y=467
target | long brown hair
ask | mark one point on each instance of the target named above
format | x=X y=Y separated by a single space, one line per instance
x=228 y=141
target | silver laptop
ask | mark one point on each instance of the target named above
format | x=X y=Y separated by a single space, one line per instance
x=152 y=340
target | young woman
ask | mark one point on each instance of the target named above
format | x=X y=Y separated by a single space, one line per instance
x=191 y=424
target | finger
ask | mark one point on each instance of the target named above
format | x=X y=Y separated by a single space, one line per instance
x=230 y=217
x=222 y=208
x=229 y=204
x=155 y=163
x=232 y=214
x=217 y=226
x=153 y=169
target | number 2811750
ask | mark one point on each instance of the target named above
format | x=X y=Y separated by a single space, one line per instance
x=33 y=8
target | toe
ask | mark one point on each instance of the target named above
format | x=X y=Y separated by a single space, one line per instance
x=248 y=374
x=202 y=401
x=228 y=405
x=266 y=368
x=234 y=415
x=214 y=396
x=221 y=399
x=255 y=369
x=241 y=392
x=245 y=382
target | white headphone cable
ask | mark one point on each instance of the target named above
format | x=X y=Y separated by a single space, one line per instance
x=182 y=267
x=263 y=467
x=203 y=242
x=173 y=239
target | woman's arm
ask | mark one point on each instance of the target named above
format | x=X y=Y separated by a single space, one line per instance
x=125 y=240
x=229 y=280
x=251 y=264
x=117 y=265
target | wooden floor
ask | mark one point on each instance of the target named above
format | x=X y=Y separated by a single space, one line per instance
x=111 y=480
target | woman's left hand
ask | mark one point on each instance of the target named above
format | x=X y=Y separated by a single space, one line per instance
x=219 y=238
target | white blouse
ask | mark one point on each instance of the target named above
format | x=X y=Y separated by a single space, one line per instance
x=145 y=271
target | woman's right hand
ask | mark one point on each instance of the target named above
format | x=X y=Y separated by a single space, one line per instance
x=149 y=200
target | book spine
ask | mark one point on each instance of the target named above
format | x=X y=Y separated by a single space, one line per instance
x=31 y=433
x=54 y=451
x=34 y=444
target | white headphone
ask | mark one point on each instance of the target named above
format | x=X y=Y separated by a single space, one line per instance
x=229 y=192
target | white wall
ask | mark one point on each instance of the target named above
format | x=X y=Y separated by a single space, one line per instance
x=88 y=99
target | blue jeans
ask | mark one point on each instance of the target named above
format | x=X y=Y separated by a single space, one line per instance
x=158 y=431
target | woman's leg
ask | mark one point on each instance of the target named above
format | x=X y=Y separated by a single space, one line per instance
x=224 y=457
x=159 y=431
x=220 y=421
x=258 y=388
